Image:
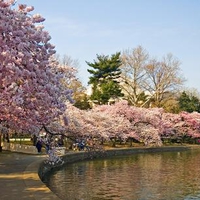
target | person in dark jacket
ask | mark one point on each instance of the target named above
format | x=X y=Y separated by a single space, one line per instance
x=39 y=146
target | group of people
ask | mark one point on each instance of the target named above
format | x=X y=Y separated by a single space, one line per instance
x=45 y=142
x=79 y=145
x=83 y=144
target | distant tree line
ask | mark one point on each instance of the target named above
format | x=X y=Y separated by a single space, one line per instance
x=141 y=80
x=134 y=76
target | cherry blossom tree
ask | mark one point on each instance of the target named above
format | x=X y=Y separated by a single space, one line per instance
x=120 y=121
x=150 y=126
x=94 y=123
x=145 y=123
x=188 y=125
x=31 y=93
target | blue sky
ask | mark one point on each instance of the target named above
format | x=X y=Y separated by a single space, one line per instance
x=84 y=28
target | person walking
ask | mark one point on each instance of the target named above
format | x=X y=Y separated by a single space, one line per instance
x=39 y=146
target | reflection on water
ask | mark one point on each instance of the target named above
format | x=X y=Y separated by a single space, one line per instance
x=153 y=176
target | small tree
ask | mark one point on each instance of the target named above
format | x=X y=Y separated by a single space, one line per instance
x=104 y=79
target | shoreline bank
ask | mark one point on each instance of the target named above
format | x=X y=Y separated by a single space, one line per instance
x=72 y=157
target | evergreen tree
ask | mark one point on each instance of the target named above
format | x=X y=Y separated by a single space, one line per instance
x=104 y=78
x=189 y=103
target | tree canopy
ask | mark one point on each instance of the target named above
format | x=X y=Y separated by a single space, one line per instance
x=30 y=91
x=150 y=126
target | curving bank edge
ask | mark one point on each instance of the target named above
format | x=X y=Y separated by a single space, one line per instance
x=35 y=188
x=44 y=169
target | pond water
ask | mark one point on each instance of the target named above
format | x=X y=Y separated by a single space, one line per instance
x=145 y=176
